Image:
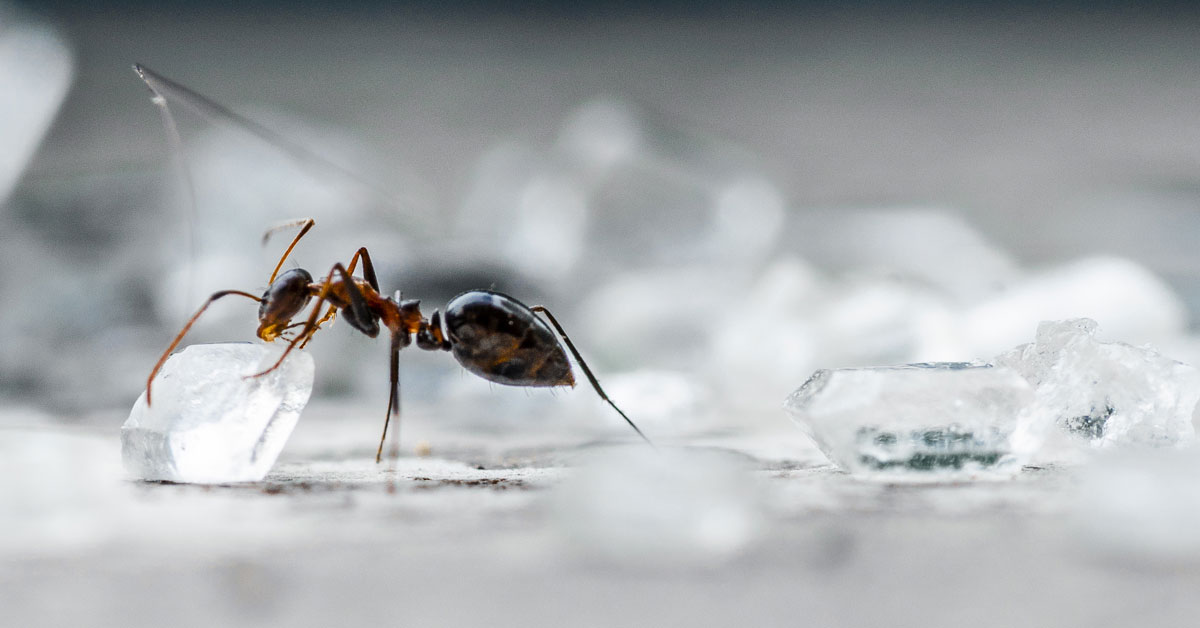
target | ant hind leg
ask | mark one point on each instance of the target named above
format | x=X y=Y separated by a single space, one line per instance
x=588 y=371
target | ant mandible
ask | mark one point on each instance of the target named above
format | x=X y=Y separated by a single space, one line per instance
x=491 y=334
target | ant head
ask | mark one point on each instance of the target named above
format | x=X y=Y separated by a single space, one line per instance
x=288 y=294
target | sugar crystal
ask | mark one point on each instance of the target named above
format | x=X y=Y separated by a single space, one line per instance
x=208 y=422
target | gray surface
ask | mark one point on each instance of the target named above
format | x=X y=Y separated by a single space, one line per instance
x=331 y=539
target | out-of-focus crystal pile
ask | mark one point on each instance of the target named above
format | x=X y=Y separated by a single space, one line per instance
x=1127 y=298
x=209 y=422
x=787 y=292
x=817 y=320
x=621 y=189
x=895 y=241
x=1106 y=394
x=643 y=506
x=926 y=421
x=659 y=246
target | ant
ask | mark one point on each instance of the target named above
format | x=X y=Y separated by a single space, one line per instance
x=490 y=333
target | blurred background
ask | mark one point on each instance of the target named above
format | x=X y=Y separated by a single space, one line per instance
x=716 y=199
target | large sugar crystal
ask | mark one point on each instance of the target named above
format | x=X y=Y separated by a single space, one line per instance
x=921 y=421
x=1106 y=394
x=208 y=422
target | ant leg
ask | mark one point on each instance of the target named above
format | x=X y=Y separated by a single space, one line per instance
x=183 y=332
x=308 y=224
x=587 y=371
x=368 y=274
x=329 y=315
x=368 y=267
x=357 y=302
x=399 y=341
x=310 y=325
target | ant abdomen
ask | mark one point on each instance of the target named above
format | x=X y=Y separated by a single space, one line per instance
x=501 y=339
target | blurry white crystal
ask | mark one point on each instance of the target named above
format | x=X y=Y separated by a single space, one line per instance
x=1106 y=393
x=885 y=321
x=640 y=505
x=620 y=190
x=549 y=237
x=210 y=424
x=243 y=183
x=664 y=403
x=930 y=245
x=660 y=193
x=815 y=320
x=35 y=71
x=1127 y=298
x=535 y=203
x=673 y=319
x=941 y=420
x=603 y=132
x=659 y=398
x=785 y=298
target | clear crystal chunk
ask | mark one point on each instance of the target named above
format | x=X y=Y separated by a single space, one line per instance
x=1106 y=394
x=945 y=420
x=208 y=422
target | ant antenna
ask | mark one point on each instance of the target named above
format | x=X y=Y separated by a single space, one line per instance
x=210 y=109
x=180 y=162
x=587 y=371
x=304 y=223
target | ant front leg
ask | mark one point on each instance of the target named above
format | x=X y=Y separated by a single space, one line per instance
x=310 y=325
x=587 y=371
x=358 y=306
x=183 y=332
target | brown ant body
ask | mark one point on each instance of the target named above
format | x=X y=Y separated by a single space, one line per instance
x=491 y=334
